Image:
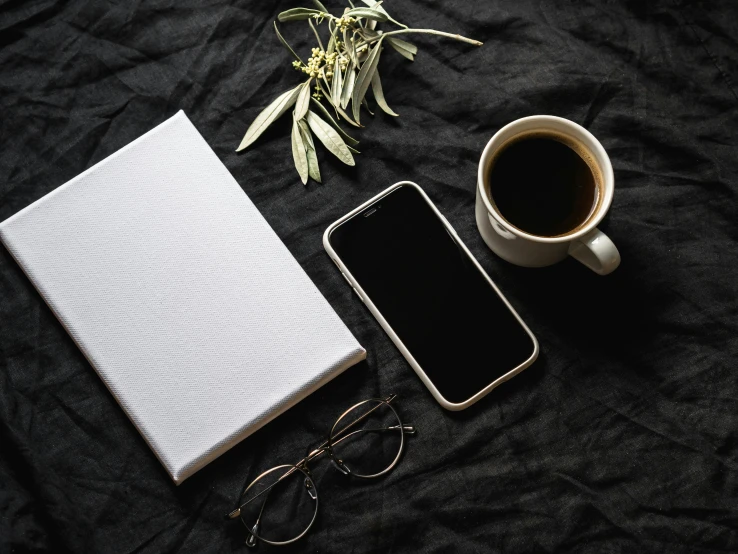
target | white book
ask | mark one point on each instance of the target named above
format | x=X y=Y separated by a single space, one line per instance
x=195 y=315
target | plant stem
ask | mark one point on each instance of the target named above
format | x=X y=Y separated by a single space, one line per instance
x=427 y=32
x=316 y=34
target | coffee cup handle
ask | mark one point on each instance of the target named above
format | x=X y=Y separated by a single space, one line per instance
x=596 y=251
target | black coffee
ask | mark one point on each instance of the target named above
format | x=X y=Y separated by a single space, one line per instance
x=542 y=183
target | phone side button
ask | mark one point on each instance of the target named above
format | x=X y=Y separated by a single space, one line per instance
x=349 y=282
x=359 y=295
x=448 y=222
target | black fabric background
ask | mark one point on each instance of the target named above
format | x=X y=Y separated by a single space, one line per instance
x=623 y=437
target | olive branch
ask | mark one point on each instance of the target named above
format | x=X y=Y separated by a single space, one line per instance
x=342 y=73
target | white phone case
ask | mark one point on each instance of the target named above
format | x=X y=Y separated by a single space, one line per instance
x=385 y=325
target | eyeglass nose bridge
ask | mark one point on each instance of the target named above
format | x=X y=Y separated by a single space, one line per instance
x=336 y=461
x=309 y=482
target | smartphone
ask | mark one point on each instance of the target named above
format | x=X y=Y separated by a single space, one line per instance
x=440 y=308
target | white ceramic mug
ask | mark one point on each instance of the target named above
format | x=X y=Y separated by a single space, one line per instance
x=586 y=243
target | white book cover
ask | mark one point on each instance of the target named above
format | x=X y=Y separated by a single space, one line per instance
x=198 y=319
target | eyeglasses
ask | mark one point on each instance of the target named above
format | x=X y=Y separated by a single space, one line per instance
x=281 y=504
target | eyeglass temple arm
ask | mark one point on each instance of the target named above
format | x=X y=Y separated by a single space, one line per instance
x=324 y=445
x=251 y=537
x=358 y=420
x=237 y=512
x=320 y=450
x=407 y=429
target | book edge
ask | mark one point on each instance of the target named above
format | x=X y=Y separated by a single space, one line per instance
x=231 y=441
x=86 y=172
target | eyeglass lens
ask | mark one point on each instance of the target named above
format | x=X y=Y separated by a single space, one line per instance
x=280 y=505
x=373 y=445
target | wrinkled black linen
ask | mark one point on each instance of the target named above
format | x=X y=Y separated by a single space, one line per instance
x=623 y=437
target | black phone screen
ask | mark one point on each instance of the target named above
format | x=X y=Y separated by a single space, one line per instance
x=431 y=293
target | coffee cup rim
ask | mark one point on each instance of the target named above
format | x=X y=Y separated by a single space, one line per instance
x=558 y=124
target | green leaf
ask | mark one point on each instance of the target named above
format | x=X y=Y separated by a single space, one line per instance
x=313 y=167
x=349 y=46
x=354 y=150
x=326 y=88
x=366 y=105
x=330 y=138
x=286 y=45
x=409 y=46
x=297 y=14
x=346 y=137
x=312 y=156
x=367 y=13
x=373 y=4
x=348 y=85
x=340 y=112
x=407 y=49
x=298 y=153
x=368 y=34
x=364 y=79
x=303 y=100
x=320 y=6
x=307 y=136
x=379 y=94
x=337 y=82
x=280 y=105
